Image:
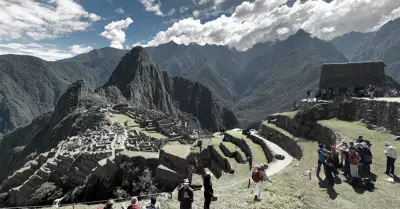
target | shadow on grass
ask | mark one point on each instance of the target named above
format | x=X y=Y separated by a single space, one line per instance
x=396 y=179
x=329 y=188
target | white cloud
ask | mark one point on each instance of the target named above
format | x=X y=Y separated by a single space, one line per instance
x=114 y=32
x=196 y=13
x=216 y=2
x=170 y=12
x=282 y=31
x=79 y=49
x=155 y=7
x=183 y=9
x=45 y=51
x=42 y=20
x=260 y=21
x=120 y=10
x=201 y=2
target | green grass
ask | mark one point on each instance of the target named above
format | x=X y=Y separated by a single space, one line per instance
x=289 y=114
x=177 y=149
x=121 y=118
x=256 y=150
x=230 y=146
x=270 y=125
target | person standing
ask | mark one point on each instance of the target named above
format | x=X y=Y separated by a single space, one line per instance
x=259 y=176
x=153 y=204
x=391 y=156
x=134 y=203
x=354 y=162
x=185 y=195
x=208 y=190
x=321 y=159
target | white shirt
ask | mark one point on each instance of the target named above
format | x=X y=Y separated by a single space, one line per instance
x=391 y=152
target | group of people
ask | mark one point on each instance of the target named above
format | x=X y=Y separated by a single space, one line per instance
x=153 y=204
x=352 y=158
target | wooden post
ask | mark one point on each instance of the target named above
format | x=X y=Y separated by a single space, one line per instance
x=309 y=174
x=73 y=206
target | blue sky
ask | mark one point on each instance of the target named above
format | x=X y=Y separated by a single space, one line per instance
x=57 y=29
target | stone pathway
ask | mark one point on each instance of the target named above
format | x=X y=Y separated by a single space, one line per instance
x=276 y=165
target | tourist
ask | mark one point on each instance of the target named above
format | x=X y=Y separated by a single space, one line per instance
x=354 y=162
x=330 y=170
x=366 y=157
x=208 y=190
x=318 y=94
x=258 y=176
x=391 y=156
x=342 y=146
x=308 y=94
x=109 y=204
x=371 y=91
x=185 y=195
x=346 y=156
x=321 y=159
x=153 y=204
x=335 y=159
x=134 y=203
x=393 y=93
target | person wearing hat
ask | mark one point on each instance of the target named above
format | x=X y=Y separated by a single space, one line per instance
x=109 y=204
x=185 y=195
x=153 y=204
x=134 y=203
x=208 y=190
x=391 y=156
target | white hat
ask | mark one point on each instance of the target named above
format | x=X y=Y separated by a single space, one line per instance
x=186 y=181
x=387 y=144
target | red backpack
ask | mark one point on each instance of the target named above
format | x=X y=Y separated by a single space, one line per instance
x=256 y=174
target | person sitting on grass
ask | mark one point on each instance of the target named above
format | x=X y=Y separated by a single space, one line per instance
x=109 y=205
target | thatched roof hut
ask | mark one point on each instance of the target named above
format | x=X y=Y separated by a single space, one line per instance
x=344 y=75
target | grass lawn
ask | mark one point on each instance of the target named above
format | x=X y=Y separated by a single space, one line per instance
x=177 y=149
x=121 y=118
x=143 y=154
x=241 y=170
x=293 y=189
x=273 y=126
x=289 y=114
x=256 y=150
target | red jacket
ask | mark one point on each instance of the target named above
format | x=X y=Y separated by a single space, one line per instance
x=355 y=158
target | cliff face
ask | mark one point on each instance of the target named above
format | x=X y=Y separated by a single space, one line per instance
x=144 y=85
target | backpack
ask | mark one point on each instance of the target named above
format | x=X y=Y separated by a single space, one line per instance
x=367 y=184
x=256 y=174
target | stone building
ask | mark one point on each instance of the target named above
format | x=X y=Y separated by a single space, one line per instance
x=354 y=77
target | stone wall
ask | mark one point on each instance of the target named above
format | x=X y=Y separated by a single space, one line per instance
x=312 y=131
x=377 y=113
x=269 y=153
x=238 y=142
x=177 y=163
x=286 y=142
x=221 y=160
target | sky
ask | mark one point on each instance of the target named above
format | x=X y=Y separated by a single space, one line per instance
x=59 y=29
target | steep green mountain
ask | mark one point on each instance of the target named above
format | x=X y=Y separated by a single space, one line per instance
x=349 y=43
x=383 y=45
x=213 y=66
x=283 y=75
x=144 y=85
x=30 y=86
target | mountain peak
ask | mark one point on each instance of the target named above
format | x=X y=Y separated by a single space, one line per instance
x=302 y=33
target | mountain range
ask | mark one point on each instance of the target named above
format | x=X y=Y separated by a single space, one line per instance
x=267 y=78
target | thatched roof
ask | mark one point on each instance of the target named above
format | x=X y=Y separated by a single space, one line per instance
x=359 y=74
